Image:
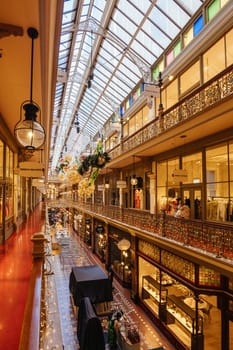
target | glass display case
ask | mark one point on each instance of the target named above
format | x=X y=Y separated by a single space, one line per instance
x=154 y=296
x=182 y=318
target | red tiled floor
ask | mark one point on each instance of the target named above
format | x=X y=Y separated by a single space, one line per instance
x=15 y=271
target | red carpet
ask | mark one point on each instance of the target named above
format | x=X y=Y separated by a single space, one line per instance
x=15 y=270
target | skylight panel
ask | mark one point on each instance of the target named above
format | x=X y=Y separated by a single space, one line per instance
x=130 y=68
x=137 y=47
x=177 y=13
x=192 y=5
x=96 y=13
x=100 y=76
x=120 y=18
x=151 y=44
x=122 y=35
x=164 y=39
x=126 y=7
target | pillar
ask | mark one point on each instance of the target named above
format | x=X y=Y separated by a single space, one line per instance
x=152 y=178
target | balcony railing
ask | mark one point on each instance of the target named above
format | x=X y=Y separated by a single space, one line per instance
x=215 y=239
x=211 y=93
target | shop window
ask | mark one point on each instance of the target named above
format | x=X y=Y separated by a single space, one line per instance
x=132 y=126
x=7 y=163
x=171 y=94
x=231 y=161
x=229 y=47
x=214 y=60
x=136 y=122
x=164 y=99
x=219 y=205
x=193 y=166
x=167 y=199
x=11 y=165
x=190 y=79
x=146 y=116
x=161 y=173
x=9 y=201
x=217 y=164
x=125 y=129
x=139 y=120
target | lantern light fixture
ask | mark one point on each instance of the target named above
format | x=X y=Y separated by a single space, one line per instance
x=29 y=133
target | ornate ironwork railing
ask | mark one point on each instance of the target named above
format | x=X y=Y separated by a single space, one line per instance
x=213 y=238
x=204 y=97
x=209 y=237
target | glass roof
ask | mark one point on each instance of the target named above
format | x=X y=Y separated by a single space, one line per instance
x=106 y=48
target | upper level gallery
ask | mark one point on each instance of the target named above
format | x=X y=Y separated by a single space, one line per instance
x=195 y=90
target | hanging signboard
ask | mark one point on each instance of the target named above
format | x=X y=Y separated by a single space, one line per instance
x=121 y=184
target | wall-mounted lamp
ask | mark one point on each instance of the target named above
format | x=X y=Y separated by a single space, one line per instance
x=29 y=132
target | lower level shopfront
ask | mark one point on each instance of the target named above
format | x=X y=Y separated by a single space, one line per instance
x=198 y=315
x=187 y=294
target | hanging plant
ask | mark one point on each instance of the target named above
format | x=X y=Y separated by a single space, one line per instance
x=97 y=160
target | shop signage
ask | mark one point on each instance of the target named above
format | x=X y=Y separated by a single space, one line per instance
x=179 y=175
x=121 y=184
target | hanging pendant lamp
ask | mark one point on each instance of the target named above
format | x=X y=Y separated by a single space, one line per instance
x=29 y=133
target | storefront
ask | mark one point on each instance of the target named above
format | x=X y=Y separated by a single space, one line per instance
x=100 y=239
x=7 y=209
x=120 y=254
x=184 y=298
x=201 y=180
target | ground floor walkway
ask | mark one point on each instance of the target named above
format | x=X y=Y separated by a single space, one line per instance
x=60 y=323
x=59 y=302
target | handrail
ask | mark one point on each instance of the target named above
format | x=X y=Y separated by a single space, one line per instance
x=30 y=332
